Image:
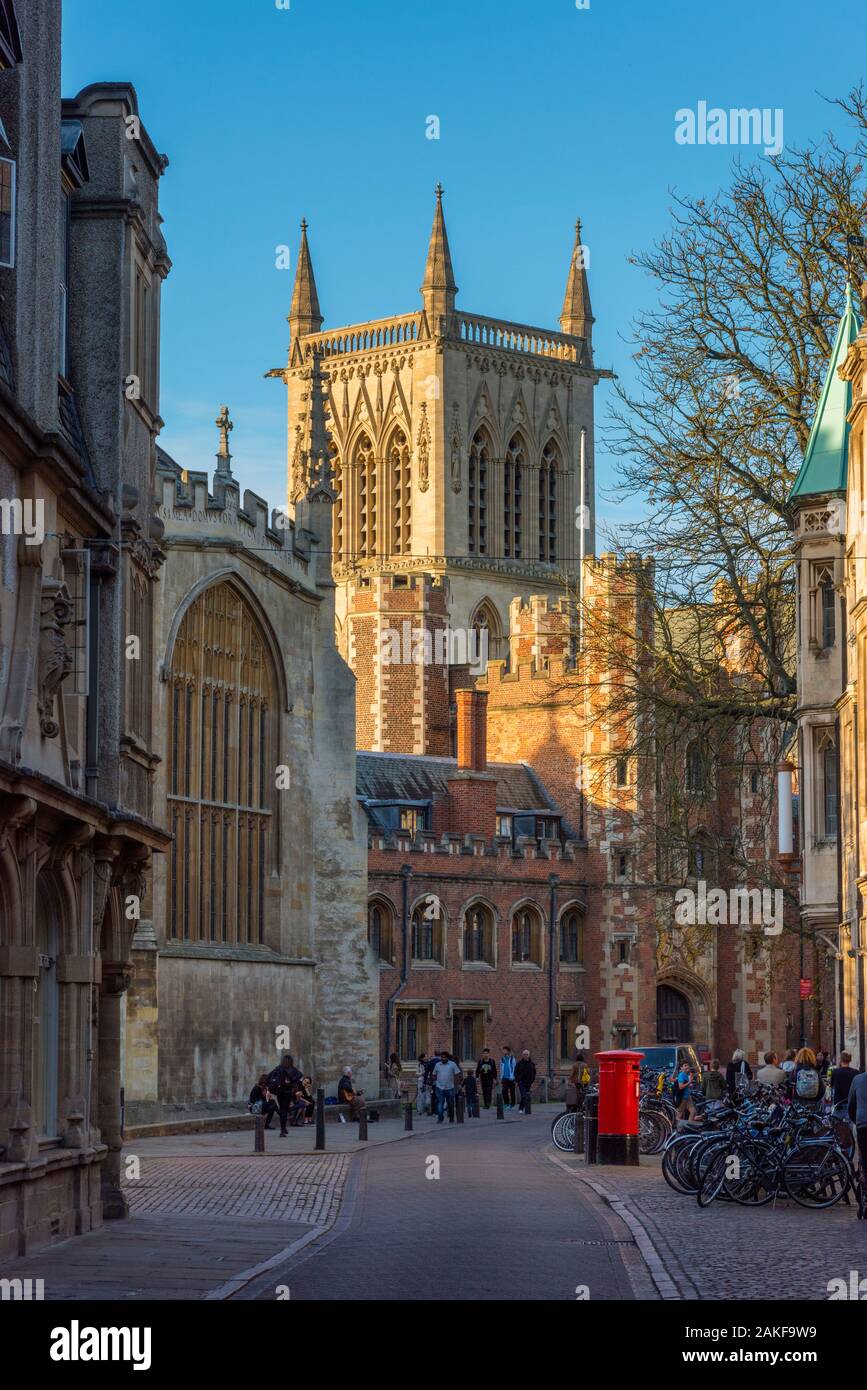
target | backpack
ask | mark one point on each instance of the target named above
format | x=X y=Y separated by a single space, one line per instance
x=585 y=1077
x=807 y=1084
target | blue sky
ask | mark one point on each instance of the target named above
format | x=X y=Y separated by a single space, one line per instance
x=546 y=111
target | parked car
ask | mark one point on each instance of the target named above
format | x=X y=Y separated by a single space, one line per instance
x=670 y=1057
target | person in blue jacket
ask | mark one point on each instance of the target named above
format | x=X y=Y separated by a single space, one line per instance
x=507 y=1076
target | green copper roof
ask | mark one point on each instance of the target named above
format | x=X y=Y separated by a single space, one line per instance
x=824 y=466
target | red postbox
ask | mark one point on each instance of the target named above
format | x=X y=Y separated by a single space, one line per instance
x=619 y=1085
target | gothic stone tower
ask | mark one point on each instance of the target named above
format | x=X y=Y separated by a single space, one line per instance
x=456 y=443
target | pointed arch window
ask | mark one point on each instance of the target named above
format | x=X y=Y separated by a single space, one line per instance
x=477 y=495
x=572 y=938
x=401 y=494
x=826 y=749
x=478 y=936
x=380 y=930
x=427 y=936
x=527 y=937
x=222 y=755
x=548 y=483
x=513 y=499
x=365 y=466
x=487 y=635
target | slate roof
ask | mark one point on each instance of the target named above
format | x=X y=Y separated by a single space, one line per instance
x=416 y=777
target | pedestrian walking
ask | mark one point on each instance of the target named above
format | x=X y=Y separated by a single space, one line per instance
x=486 y=1071
x=508 y=1063
x=446 y=1072
x=422 y=1090
x=393 y=1073
x=282 y=1082
x=525 y=1075
x=808 y=1085
x=842 y=1078
x=739 y=1073
x=857 y=1109
x=575 y=1088
x=471 y=1093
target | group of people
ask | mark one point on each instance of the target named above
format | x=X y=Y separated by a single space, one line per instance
x=284 y=1092
x=802 y=1075
x=440 y=1079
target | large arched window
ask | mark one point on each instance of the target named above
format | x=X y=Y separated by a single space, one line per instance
x=221 y=771
x=478 y=935
x=548 y=503
x=365 y=466
x=527 y=937
x=401 y=494
x=477 y=494
x=513 y=499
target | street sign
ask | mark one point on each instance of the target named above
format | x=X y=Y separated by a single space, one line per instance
x=806 y=989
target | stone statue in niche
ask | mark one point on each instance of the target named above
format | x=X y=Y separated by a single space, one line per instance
x=456 y=451
x=55 y=656
x=423 y=451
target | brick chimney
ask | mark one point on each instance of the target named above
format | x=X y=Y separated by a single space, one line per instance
x=472 y=729
x=473 y=790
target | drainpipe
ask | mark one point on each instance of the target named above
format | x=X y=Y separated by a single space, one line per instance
x=406 y=875
x=553 y=879
x=840 y=961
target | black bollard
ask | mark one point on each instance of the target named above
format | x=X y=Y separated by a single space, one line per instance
x=320 y=1118
x=460 y=1107
x=362 y=1124
x=407 y=1117
x=578 y=1136
x=501 y=1114
x=259 y=1135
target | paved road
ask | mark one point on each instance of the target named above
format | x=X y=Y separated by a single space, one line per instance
x=500 y=1222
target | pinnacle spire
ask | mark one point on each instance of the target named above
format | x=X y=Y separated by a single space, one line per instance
x=577 y=315
x=304 y=315
x=438 y=288
x=825 y=466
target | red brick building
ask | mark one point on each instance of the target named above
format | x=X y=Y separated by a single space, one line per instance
x=478 y=903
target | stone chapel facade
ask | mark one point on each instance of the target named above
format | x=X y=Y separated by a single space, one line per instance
x=461 y=448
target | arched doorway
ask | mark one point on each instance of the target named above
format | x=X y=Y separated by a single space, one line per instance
x=673 y=1021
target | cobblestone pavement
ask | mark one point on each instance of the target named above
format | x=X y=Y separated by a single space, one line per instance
x=498 y=1222
x=198 y=1228
x=269 y=1189
x=726 y=1251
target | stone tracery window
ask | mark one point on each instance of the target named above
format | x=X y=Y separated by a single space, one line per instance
x=222 y=757
x=548 y=503
x=401 y=494
x=513 y=499
x=477 y=494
